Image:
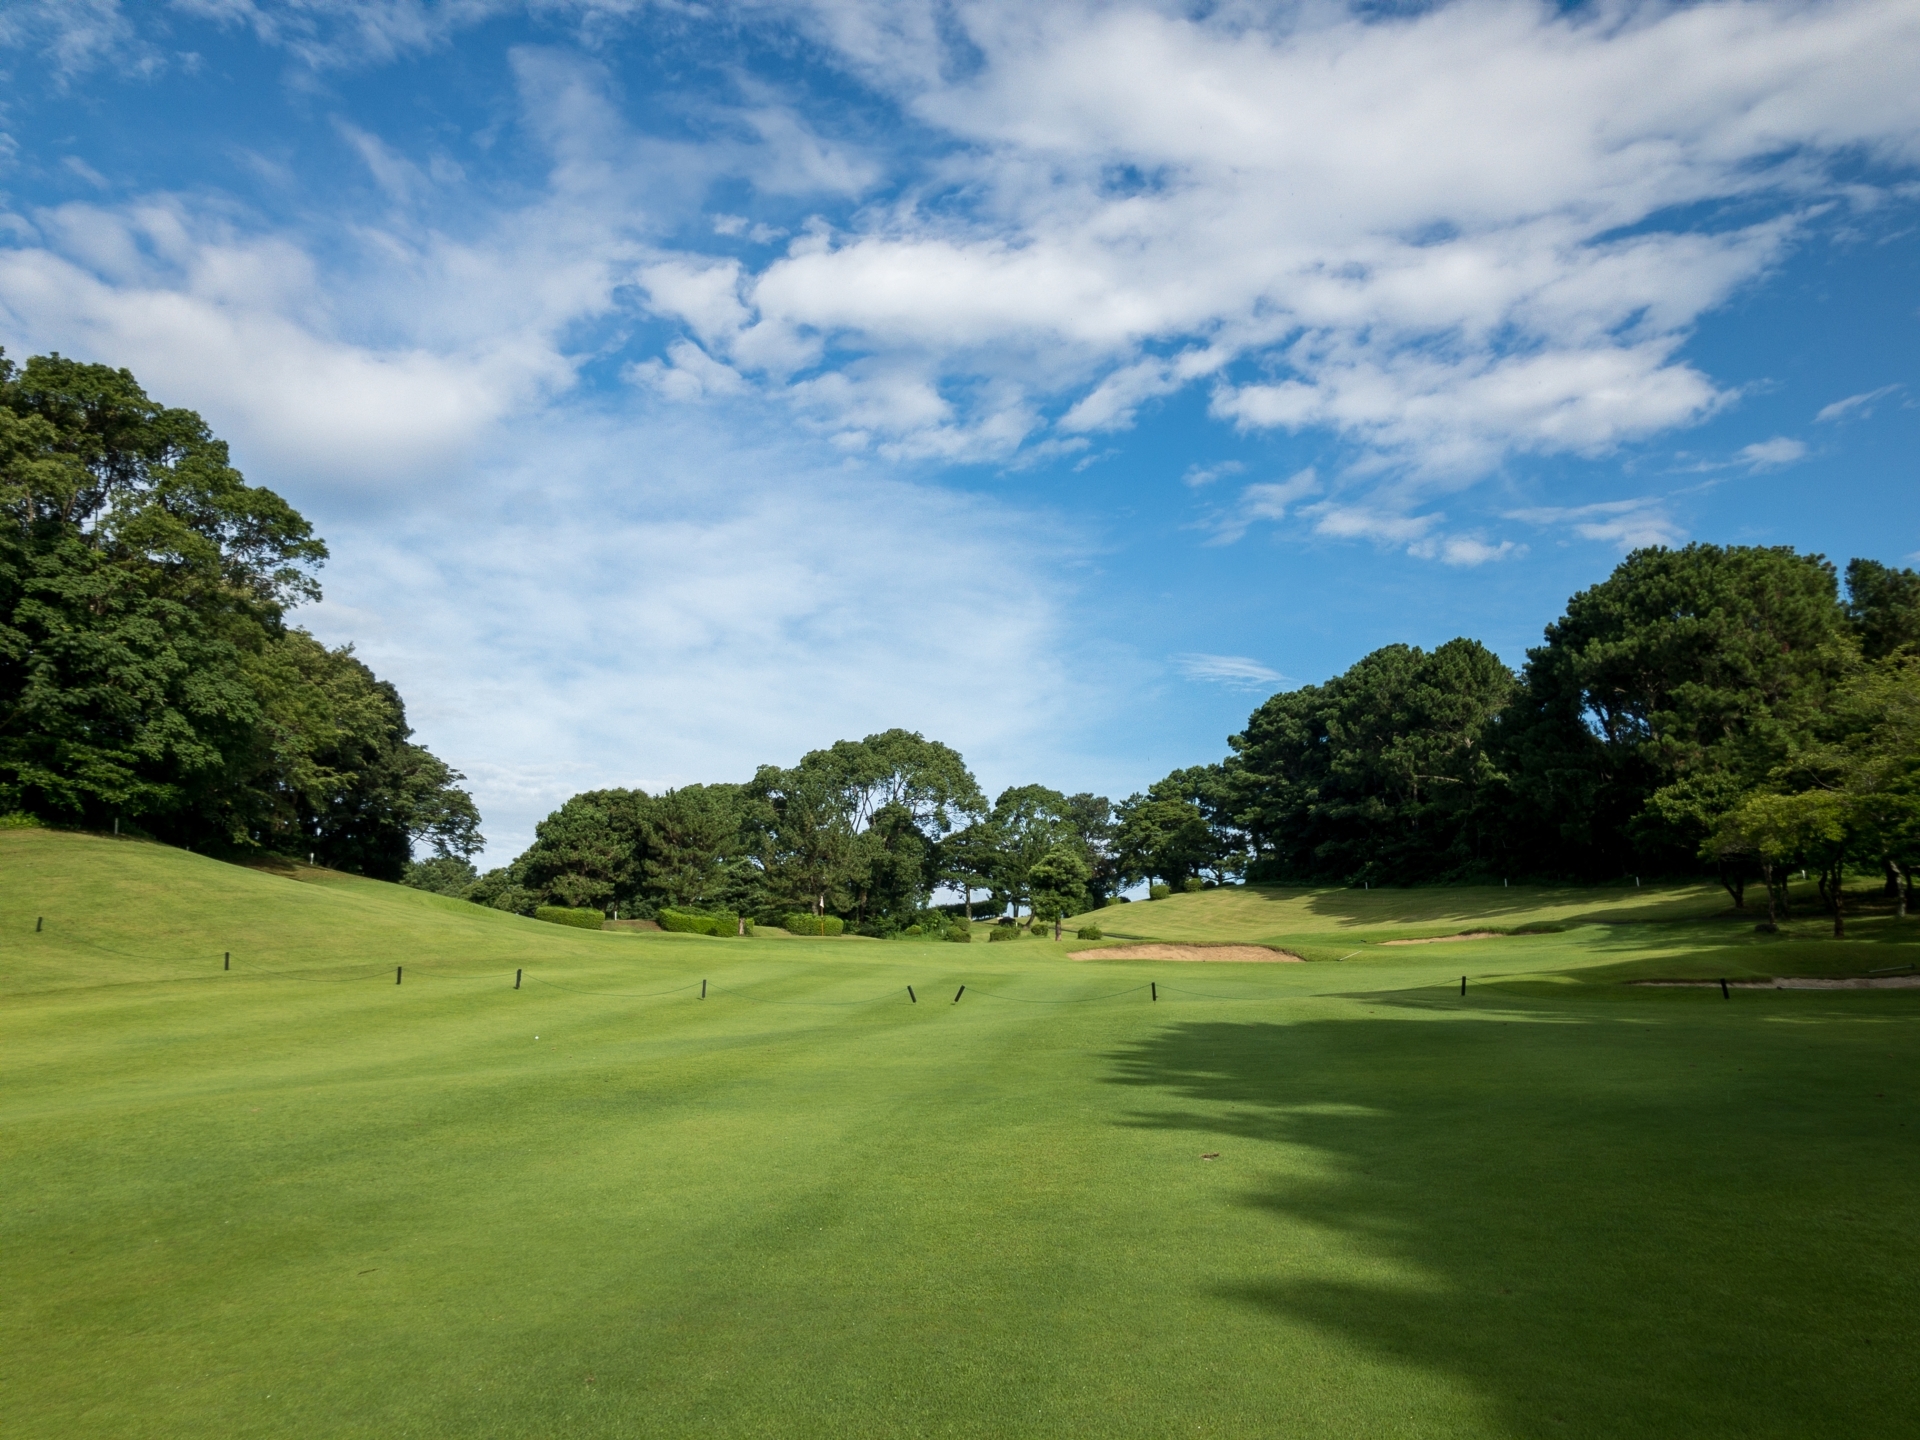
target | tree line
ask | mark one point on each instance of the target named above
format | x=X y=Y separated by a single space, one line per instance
x=149 y=681
x=863 y=830
x=1711 y=709
x=1708 y=709
x=1705 y=710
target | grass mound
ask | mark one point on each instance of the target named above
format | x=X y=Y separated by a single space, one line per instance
x=670 y=1186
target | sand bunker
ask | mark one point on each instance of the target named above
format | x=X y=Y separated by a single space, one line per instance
x=1256 y=954
x=1447 y=939
x=1797 y=982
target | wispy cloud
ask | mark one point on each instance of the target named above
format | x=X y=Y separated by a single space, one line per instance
x=1267 y=500
x=1235 y=671
x=1771 y=454
x=1198 y=475
x=1855 y=407
x=1628 y=524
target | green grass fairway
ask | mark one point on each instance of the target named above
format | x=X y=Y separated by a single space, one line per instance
x=295 y=1199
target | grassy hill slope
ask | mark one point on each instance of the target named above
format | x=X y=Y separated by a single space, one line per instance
x=1331 y=1199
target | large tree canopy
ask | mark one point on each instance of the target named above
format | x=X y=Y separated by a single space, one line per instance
x=1664 y=693
x=1665 y=699
x=1380 y=774
x=147 y=675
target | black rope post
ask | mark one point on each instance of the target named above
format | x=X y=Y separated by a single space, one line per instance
x=1154 y=986
x=38 y=921
x=1725 y=994
x=396 y=974
x=958 y=993
x=703 y=989
x=1463 y=984
x=226 y=961
x=516 y=979
x=912 y=999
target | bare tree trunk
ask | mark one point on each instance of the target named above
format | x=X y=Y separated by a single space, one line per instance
x=1902 y=882
x=969 y=894
x=1766 y=875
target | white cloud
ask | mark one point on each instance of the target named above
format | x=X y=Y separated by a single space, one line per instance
x=1466 y=551
x=1198 y=475
x=689 y=373
x=241 y=324
x=1236 y=671
x=72 y=37
x=1267 y=500
x=1771 y=454
x=1411 y=222
x=1435 y=235
x=1627 y=524
x=1855 y=407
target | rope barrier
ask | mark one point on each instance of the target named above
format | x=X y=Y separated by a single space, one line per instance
x=1067 y=1000
x=893 y=994
x=614 y=994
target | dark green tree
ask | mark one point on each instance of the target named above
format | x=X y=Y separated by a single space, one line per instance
x=146 y=671
x=1664 y=693
x=1059 y=883
x=591 y=852
x=1381 y=774
x=1883 y=608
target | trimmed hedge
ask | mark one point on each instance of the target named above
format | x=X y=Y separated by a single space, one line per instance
x=1090 y=932
x=1003 y=932
x=690 y=922
x=561 y=915
x=814 y=924
x=959 y=937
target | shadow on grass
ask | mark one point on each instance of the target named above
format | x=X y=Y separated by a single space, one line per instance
x=1688 y=1223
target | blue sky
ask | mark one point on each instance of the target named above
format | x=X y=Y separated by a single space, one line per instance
x=684 y=387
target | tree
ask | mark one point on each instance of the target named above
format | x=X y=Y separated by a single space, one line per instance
x=1163 y=838
x=146 y=671
x=443 y=875
x=970 y=858
x=1383 y=773
x=694 y=843
x=1883 y=608
x=1059 y=883
x=592 y=851
x=1866 y=748
x=1027 y=821
x=855 y=828
x=137 y=572
x=1781 y=831
x=1092 y=819
x=1690 y=673
x=811 y=853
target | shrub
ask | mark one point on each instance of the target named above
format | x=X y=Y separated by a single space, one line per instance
x=959 y=937
x=561 y=915
x=913 y=930
x=20 y=820
x=1159 y=892
x=1003 y=932
x=692 y=922
x=1089 y=932
x=814 y=924
x=1193 y=885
